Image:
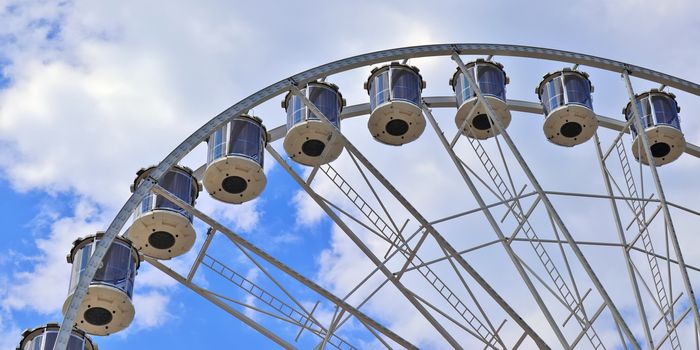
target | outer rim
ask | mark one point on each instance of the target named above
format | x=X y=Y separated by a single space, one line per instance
x=201 y=134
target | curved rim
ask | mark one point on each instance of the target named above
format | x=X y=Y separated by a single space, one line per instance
x=265 y=94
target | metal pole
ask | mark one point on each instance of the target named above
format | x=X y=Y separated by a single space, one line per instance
x=426 y=224
x=623 y=241
x=284 y=268
x=202 y=252
x=497 y=229
x=548 y=204
x=662 y=199
x=245 y=319
x=363 y=247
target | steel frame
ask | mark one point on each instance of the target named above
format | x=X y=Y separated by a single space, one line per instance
x=241 y=242
x=453 y=50
x=550 y=208
x=425 y=224
x=395 y=237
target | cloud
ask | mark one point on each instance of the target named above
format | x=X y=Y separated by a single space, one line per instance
x=150 y=277
x=308 y=213
x=152 y=309
x=243 y=217
x=43 y=288
x=9 y=332
x=89 y=101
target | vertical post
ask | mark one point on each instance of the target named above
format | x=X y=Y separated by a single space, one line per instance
x=207 y=295
x=363 y=247
x=429 y=227
x=497 y=229
x=623 y=241
x=662 y=199
x=617 y=316
x=202 y=252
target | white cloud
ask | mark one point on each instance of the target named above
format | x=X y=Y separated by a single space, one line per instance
x=151 y=309
x=150 y=277
x=44 y=287
x=241 y=217
x=9 y=333
x=308 y=212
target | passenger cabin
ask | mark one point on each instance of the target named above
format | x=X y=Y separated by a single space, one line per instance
x=659 y=116
x=107 y=307
x=235 y=160
x=474 y=121
x=396 y=115
x=44 y=338
x=568 y=107
x=161 y=228
x=310 y=140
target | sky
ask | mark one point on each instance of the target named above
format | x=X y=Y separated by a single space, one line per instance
x=92 y=91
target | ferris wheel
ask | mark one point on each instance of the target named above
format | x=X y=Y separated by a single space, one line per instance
x=548 y=287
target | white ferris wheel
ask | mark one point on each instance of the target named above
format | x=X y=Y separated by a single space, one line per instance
x=510 y=262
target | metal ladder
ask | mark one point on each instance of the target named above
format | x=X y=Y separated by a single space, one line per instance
x=541 y=252
x=646 y=239
x=417 y=262
x=283 y=308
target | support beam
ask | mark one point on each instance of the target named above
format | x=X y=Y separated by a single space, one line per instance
x=497 y=229
x=284 y=268
x=662 y=199
x=245 y=319
x=626 y=255
x=426 y=224
x=202 y=252
x=617 y=316
x=363 y=247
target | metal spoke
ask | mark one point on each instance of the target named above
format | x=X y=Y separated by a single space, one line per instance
x=245 y=319
x=497 y=229
x=662 y=198
x=202 y=252
x=410 y=253
x=550 y=208
x=623 y=241
x=358 y=242
x=419 y=217
x=282 y=267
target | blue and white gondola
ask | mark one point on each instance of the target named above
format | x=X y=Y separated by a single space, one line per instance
x=235 y=160
x=396 y=116
x=44 y=338
x=107 y=307
x=659 y=116
x=310 y=140
x=492 y=80
x=161 y=229
x=568 y=107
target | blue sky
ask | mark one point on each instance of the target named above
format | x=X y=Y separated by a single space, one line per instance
x=90 y=93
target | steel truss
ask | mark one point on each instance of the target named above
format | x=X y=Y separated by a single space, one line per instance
x=457 y=306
